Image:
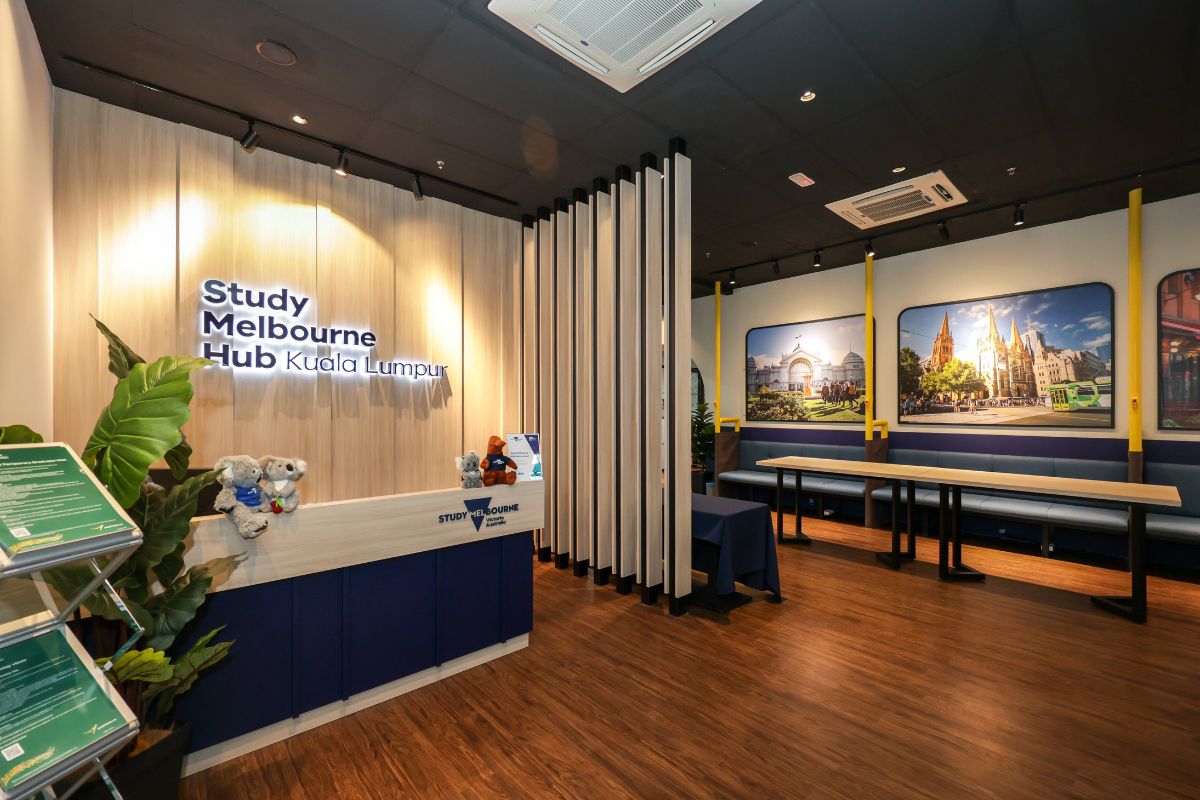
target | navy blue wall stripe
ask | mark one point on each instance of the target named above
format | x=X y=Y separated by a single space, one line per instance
x=303 y=643
x=1098 y=448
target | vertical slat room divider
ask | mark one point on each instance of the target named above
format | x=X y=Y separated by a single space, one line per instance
x=611 y=350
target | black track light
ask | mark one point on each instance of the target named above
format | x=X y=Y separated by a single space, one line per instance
x=342 y=163
x=733 y=277
x=775 y=268
x=943 y=231
x=249 y=140
x=1019 y=215
x=416 y=187
x=817 y=259
x=869 y=249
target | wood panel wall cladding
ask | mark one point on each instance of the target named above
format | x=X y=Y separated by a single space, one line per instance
x=147 y=210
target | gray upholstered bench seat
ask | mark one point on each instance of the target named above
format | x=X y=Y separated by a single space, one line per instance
x=809 y=483
x=750 y=474
x=1173 y=528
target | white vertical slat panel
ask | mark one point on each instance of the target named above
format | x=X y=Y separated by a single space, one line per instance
x=678 y=276
x=547 y=372
x=627 y=541
x=530 y=339
x=605 y=358
x=564 y=384
x=584 y=455
x=652 y=364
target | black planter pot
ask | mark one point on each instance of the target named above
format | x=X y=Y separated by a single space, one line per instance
x=153 y=774
x=697 y=481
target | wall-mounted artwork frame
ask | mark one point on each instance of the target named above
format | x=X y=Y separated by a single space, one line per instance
x=1179 y=351
x=817 y=377
x=1035 y=359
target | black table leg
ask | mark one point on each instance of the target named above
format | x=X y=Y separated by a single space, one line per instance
x=799 y=538
x=943 y=542
x=779 y=504
x=958 y=571
x=910 y=526
x=892 y=559
x=1132 y=607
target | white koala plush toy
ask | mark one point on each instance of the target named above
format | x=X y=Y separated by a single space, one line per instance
x=279 y=477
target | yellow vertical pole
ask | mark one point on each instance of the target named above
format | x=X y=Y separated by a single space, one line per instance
x=1135 y=321
x=717 y=360
x=870 y=359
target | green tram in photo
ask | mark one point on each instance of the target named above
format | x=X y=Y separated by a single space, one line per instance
x=1081 y=395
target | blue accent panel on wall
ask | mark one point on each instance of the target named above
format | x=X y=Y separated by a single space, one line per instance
x=848 y=435
x=252 y=686
x=391 y=621
x=516 y=614
x=306 y=642
x=317 y=633
x=1171 y=451
x=468 y=598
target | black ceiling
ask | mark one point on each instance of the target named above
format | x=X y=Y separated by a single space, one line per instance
x=1069 y=92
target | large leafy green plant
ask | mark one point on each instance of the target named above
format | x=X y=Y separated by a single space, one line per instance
x=703 y=435
x=139 y=427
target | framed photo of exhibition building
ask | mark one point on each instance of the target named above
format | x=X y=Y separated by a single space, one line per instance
x=1042 y=358
x=1179 y=351
x=807 y=371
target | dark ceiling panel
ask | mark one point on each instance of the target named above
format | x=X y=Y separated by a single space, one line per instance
x=1067 y=91
x=875 y=141
x=981 y=106
x=798 y=51
x=229 y=29
x=914 y=42
x=712 y=114
x=399 y=32
x=474 y=62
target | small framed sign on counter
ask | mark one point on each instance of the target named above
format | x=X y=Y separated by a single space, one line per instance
x=525 y=449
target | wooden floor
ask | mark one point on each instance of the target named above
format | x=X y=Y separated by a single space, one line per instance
x=864 y=683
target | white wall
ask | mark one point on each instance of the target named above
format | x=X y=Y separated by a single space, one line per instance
x=1089 y=249
x=26 y=224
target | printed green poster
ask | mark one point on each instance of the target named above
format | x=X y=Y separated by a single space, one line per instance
x=48 y=498
x=51 y=707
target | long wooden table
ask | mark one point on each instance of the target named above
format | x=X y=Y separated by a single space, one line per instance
x=950 y=482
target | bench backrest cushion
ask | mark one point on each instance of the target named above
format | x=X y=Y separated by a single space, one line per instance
x=1185 y=477
x=752 y=452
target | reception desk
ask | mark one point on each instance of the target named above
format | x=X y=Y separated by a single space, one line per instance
x=338 y=606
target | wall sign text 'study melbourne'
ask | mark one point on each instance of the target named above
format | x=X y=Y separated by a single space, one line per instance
x=255 y=329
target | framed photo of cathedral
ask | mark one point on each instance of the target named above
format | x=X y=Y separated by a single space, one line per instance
x=807 y=371
x=1179 y=351
x=1030 y=359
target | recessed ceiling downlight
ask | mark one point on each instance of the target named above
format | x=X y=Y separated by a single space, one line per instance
x=808 y=96
x=898 y=170
x=278 y=54
x=299 y=119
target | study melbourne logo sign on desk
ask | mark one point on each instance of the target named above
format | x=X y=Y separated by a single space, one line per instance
x=248 y=329
x=481 y=513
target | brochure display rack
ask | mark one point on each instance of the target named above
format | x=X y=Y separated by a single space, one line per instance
x=59 y=715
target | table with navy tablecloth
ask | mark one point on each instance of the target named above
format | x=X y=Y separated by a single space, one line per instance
x=733 y=541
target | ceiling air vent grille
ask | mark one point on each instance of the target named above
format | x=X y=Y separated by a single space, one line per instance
x=630 y=39
x=902 y=200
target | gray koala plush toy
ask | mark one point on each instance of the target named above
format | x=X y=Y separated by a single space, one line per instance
x=279 y=483
x=468 y=465
x=240 y=499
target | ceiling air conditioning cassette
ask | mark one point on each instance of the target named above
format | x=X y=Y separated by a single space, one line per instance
x=621 y=42
x=910 y=198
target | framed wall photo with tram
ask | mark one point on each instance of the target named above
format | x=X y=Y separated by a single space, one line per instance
x=1179 y=351
x=1030 y=359
x=807 y=371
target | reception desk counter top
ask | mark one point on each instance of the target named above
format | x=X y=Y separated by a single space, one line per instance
x=325 y=536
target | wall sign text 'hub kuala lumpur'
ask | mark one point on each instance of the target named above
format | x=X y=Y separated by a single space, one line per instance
x=280 y=338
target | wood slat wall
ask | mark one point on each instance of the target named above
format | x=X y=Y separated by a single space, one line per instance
x=145 y=210
x=613 y=272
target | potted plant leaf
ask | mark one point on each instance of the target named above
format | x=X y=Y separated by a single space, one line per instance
x=703 y=438
x=140 y=427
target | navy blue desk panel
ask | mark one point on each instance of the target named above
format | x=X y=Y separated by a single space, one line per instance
x=305 y=642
